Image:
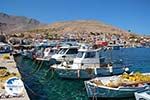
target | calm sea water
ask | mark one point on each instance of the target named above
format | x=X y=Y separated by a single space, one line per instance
x=43 y=84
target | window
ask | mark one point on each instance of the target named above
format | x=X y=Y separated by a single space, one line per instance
x=90 y=55
x=59 y=50
x=73 y=40
x=80 y=54
x=72 y=51
x=100 y=55
x=62 y=51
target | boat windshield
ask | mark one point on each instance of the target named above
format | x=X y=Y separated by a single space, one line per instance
x=80 y=54
x=90 y=55
x=72 y=51
x=62 y=51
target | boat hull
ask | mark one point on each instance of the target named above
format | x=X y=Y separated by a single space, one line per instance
x=142 y=95
x=105 y=92
x=85 y=73
x=27 y=55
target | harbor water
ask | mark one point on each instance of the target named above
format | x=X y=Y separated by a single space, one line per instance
x=44 y=84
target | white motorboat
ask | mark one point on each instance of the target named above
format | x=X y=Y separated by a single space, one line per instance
x=46 y=54
x=88 y=63
x=67 y=52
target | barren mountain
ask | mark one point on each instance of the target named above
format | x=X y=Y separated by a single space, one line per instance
x=9 y=23
x=84 y=26
x=80 y=26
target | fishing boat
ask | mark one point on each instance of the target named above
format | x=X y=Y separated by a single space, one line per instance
x=69 y=41
x=16 y=52
x=143 y=94
x=115 y=46
x=46 y=54
x=122 y=86
x=88 y=63
x=27 y=53
x=5 y=48
x=67 y=52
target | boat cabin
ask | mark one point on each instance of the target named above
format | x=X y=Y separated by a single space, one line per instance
x=88 y=58
x=67 y=53
x=71 y=42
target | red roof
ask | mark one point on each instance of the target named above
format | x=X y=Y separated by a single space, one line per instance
x=102 y=43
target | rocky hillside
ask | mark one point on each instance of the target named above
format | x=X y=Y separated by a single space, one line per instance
x=83 y=26
x=79 y=26
x=29 y=26
x=9 y=23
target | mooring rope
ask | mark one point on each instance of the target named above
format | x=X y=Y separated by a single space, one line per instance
x=34 y=69
x=37 y=68
x=31 y=73
x=34 y=61
x=40 y=66
x=53 y=72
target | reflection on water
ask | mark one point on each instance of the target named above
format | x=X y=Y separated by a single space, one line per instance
x=43 y=84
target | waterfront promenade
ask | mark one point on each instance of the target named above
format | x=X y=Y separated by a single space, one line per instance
x=7 y=60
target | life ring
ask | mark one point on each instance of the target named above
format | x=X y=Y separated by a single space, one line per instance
x=47 y=50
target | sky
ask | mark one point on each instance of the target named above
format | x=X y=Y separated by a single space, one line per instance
x=131 y=15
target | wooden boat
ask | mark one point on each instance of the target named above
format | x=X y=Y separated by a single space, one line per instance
x=142 y=94
x=88 y=63
x=122 y=86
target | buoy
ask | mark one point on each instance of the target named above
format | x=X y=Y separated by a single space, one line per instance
x=110 y=68
x=95 y=71
x=126 y=69
x=46 y=52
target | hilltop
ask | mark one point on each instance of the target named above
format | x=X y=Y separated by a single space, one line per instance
x=83 y=26
x=79 y=27
x=29 y=26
